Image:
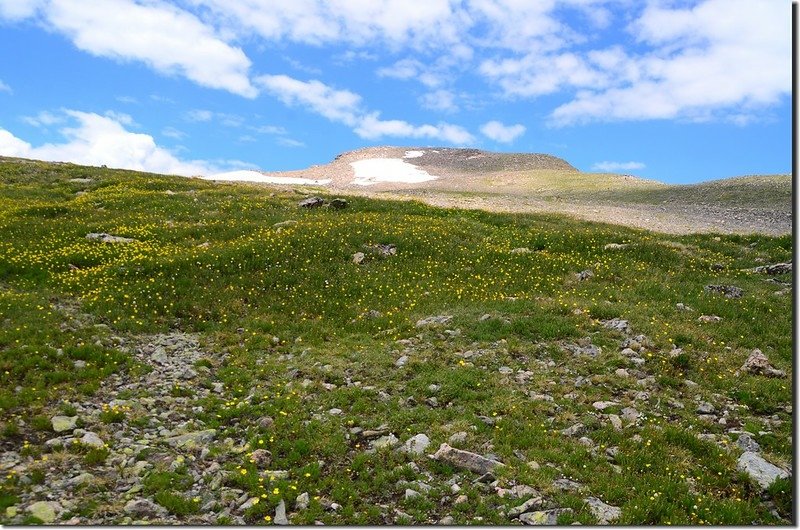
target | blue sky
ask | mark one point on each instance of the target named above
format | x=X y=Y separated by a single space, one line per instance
x=680 y=91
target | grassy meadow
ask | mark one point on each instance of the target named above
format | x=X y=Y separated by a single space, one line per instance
x=301 y=334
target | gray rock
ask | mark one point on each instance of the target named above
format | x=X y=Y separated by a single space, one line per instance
x=777 y=268
x=708 y=318
x=401 y=361
x=547 y=517
x=144 y=508
x=302 y=501
x=288 y=222
x=64 y=423
x=384 y=442
x=602 y=405
x=584 y=275
x=339 y=204
x=410 y=494
x=311 y=202
x=565 y=484
x=93 y=440
x=280 y=514
x=746 y=443
x=108 y=238
x=416 y=445
x=578 y=428
x=458 y=437
x=359 y=257
x=730 y=291
x=446 y=520
x=617 y=324
x=466 y=459
x=759 y=469
x=261 y=457
x=705 y=408
x=82 y=479
x=758 y=364
x=521 y=250
x=45 y=511
x=79 y=364
x=605 y=513
x=192 y=440
x=615 y=246
x=434 y=320
x=531 y=504
x=630 y=414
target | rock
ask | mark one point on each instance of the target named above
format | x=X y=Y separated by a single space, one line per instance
x=446 y=520
x=747 y=444
x=578 y=428
x=384 y=441
x=777 y=268
x=521 y=250
x=302 y=501
x=730 y=291
x=548 y=517
x=82 y=480
x=522 y=490
x=616 y=422
x=530 y=504
x=335 y=412
x=81 y=180
x=359 y=257
x=249 y=503
x=565 y=484
x=280 y=514
x=466 y=459
x=604 y=513
x=339 y=204
x=591 y=350
x=63 y=423
x=630 y=414
x=192 y=440
x=584 y=275
x=311 y=202
x=45 y=511
x=108 y=238
x=617 y=324
x=461 y=499
x=759 y=469
x=261 y=457
x=144 y=508
x=602 y=405
x=410 y=494
x=705 y=408
x=401 y=362
x=93 y=440
x=79 y=364
x=435 y=320
x=683 y=307
x=615 y=246
x=758 y=364
x=282 y=224
x=458 y=438
x=708 y=318
x=416 y=445
x=265 y=422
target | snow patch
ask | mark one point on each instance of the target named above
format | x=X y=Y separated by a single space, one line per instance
x=376 y=170
x=413 y=154
x=247 y=175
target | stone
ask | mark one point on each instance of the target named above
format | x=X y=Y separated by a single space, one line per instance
x=565 y=484
x=763 y=472
x=602 y=405
x=401 y=362
x=359 y=257
x=82 y=479
x=747 y=444
x=547 y=517
x=108 y=238
x=708 y=318
x=458 y=438
x=617 y=324
x=584 y=275
x=302 y=501
x=705 y=408
x=282 y=224
x=280 y=514
x=335 y=412
x=530 y=504
x=261 y=457
x=92 y=440
x=578 y=428
x=384 y=442
x=79 y=364
x=777 y=268
x=521 y=250
x=410 y=494
x=730 y=291
x=758 y=364
x=683 y=307
x=416 y=445
x=144 y=508
x=615 y=246
x=604 y=513
x=192 y=440
x=446 y=521
x=630 y=414
x=339 y=203
x=45 y=511
x=466 y=459
x=434 y=320
x=311 y=202
x=64 y=423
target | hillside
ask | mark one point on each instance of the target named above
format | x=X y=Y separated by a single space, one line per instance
x=520 y=182
x=179 y=350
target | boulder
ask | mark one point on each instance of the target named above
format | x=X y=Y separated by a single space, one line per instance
x=547 y=517
x=466 y=459
x=605 y=513
x=45 y=511
x=758 y=364
x=759 y=469
x=192 y=439
x=730 y=291
x=311 y=202
x=108 y=238
x=64 y=423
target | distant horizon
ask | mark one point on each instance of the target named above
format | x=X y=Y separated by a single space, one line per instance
x=679 y=92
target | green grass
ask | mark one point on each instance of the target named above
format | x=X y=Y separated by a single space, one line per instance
x=293 y=314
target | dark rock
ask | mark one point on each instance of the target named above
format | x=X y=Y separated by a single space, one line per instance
x=339 y=204
x=730 y=291
x=311 y=202
x=777 y=268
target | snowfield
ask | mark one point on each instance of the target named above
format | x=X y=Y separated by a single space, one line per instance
x=256 y=176
x=377 y=170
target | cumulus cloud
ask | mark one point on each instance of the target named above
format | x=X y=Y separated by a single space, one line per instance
x=5 y=88
x=102 y=140
x=346 y=107
x=441 y=100
x=166 y=38
x=495 y=130
x=613 y=167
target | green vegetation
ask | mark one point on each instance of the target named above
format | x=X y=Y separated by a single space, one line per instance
x=304 y=331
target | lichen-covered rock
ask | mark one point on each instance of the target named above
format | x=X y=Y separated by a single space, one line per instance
x=547 y=517
x=763 y=472
x=758 y=364
x=466 y=459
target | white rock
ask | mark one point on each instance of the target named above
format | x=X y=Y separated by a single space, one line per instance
x=759 y=469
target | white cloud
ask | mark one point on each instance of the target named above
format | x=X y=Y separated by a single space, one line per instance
x=5 y=88
x=495 y=130
x=336 y=105
x=613 y=167
x=720 y=58
x=166 y=38
x=198 y=115
x=441 y=100
x=288 y=142
x=402 y=69
x=172 y=132
x=44 y=119
x=372 y=127
x=269 y=129
x=102 y=140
